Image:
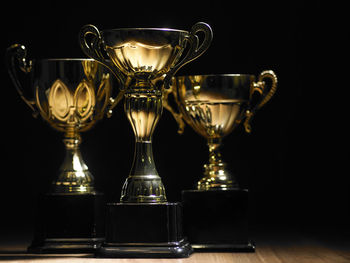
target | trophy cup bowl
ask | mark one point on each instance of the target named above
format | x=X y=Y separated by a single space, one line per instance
x=144 y=60
x=215 y=214
x=71 y=95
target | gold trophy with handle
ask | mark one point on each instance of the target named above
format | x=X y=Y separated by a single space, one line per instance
x=144 y=60
x=215 y=214
x=71 y=95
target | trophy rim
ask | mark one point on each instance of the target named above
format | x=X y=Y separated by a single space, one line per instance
x=217 y=75
x=65 y=59
x=145 y=29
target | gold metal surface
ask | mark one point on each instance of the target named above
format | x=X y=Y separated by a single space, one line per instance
x=213 y=105
x=71 y=95
x=143 y=109
x=79 y=106
x=72 y=112
x=144 y=60
x=259 y=87
x=213 y=119
x=177 y=115
x=141 y=60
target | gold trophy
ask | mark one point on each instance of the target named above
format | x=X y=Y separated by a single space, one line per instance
x=71 y=95
x=213 y=105
x=144 y=60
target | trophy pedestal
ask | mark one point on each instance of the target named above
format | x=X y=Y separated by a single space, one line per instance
x=69 y=223
x=216 y=220
x=139 y=230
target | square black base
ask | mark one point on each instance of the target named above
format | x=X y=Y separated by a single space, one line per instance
x=69 y=223
x=216 y=220
x=144 y=231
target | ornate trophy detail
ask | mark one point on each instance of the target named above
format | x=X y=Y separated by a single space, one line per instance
x=144 y=60
x=213 y=105
x=142 y=56
x=143 y=110
x=71 y=95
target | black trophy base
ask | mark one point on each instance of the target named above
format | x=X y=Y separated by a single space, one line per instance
x=144 y=231
x=65 y=245
x=69 y=223
x=216 y=220
x=181 y=249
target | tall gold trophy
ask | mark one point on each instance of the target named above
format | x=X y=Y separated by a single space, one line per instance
x=144 y=224
x=215 y=214
x=71 y=95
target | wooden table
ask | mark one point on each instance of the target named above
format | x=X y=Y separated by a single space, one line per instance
x=277 y=247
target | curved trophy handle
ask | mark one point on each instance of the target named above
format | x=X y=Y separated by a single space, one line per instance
x=16 y=56
x=177 y=116
x=266 y=95
x=92 y=49
x=195 y=49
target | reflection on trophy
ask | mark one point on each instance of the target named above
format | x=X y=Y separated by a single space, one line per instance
x=71 y=95
x=213 y=105
x=144 y=60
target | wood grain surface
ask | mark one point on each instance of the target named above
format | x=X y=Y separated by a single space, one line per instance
x=277 y=248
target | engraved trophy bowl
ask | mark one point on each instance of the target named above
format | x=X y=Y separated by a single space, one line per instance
x=71 y=94
x=213 y=105
x=144 y=60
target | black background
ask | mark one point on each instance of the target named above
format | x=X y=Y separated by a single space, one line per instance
x=295 y=160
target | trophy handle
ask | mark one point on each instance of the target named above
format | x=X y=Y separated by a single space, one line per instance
x=195 y=50
x=177 y=116
x=92 y=48
x=265 y=95
x=16 y=57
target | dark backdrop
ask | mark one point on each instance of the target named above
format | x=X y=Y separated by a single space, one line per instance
x=293 y=162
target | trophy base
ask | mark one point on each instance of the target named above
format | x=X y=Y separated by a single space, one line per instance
x=69 y=223
x=180 y=249
x=65 y=245
x=216 y=220
x=135 y=230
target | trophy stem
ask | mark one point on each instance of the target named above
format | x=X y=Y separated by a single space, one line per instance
x=143 y=108
x=216 y=176
x=214 y=145
x=74 y=176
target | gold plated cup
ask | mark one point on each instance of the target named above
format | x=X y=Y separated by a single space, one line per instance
x=144 y=60
x=213 y=105
x=71 y=95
